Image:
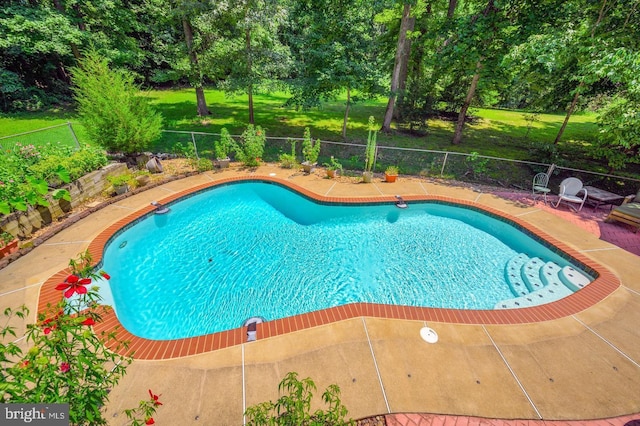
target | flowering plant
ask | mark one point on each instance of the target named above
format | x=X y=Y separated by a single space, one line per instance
x=67 y=362
x=251 y=147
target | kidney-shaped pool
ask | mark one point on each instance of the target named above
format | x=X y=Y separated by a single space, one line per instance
x=250 y=249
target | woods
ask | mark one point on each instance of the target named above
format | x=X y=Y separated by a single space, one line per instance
x=427 y=57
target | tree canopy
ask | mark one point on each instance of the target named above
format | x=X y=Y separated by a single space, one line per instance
x=430 y=57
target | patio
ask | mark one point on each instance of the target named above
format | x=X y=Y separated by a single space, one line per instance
x=584 y=366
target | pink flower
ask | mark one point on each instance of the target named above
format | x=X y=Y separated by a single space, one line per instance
x=65 y=367
x=105 y=275
x=154 y=398
x=73 y=284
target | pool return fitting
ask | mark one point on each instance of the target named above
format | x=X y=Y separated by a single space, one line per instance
x=160 y=209
x=400 y=203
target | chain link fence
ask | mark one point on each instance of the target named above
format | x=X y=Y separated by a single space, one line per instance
x=62 y=134
x=472 y=168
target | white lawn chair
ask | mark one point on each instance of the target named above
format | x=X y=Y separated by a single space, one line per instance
x=569 y=190
x=540 y=182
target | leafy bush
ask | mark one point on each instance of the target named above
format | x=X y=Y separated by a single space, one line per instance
x=67 y=362
x=28 y=173
x=111 y=108
x=251 y=148
x=310 y=150
x=289 y=161
x=294 y=406
x=223 y=146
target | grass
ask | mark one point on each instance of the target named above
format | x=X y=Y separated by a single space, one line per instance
x=498 y=133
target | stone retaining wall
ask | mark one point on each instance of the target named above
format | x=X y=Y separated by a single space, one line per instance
x=24 y=224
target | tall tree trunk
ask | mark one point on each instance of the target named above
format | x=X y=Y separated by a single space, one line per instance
x=249 y=65
x=457 y=135
x=572 y=107
x=196 y=75
x=395 y=78
x=574 y=102
x=452 y=8
x=404 y=67
x=346 y=114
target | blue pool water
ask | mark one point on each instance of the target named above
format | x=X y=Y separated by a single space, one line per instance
x=258 y=249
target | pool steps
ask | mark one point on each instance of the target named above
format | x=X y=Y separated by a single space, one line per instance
x=535 y=282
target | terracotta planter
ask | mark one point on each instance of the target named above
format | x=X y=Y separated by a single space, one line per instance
x=332 y=173
x=10 y=248
x=390 y=178
x=143 y=180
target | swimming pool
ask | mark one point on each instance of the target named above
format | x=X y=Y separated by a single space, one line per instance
x=249 y=249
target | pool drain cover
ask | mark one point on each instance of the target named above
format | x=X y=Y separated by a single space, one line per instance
x=428 y=335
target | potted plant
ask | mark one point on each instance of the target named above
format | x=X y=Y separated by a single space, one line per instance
x=310 y=151
x=222 y=148
x=289 y=161
x=333 y=167
x=370 y=152
x=8 y=244
x=120 y=183
x=391 y=174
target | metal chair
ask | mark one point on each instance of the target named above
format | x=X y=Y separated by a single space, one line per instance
x=540 y=182
x=569 y=190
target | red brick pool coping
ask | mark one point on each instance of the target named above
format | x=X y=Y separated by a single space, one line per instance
x=600 y=288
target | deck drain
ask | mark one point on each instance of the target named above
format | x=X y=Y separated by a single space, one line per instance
x=428 y=335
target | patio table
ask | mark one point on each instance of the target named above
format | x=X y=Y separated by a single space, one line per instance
x=598 y=197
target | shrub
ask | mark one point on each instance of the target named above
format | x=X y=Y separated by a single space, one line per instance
x=111 y=108
x=289 y=161
x=251 y=148
x=67 y=362
x=310 y=150
x=224 y=145
x=294 y=406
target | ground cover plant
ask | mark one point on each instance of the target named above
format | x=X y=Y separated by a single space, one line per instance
x=29 y=172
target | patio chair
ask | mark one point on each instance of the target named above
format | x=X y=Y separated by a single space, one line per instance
x=628 y=212
x=569 y=190
x=540 y=182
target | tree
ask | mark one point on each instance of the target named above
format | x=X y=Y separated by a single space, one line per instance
x=406 y=25
x=256 y=56
x=111 y=108
x=335 y=51
x=619 y=139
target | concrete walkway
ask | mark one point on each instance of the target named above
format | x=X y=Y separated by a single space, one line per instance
x=585 y=366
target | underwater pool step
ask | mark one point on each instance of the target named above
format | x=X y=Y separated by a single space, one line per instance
x=535 y=282
x=531 y=273
x=573 y=278
x=513 y=274
x=549 y=293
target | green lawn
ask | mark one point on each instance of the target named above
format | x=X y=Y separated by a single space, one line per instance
x=499 y=133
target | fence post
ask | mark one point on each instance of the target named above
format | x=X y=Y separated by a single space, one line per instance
x=444 y=163
x=75 y=138
x=195 y=147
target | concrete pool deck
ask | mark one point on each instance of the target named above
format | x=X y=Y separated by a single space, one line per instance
x=583 y=366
